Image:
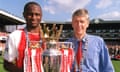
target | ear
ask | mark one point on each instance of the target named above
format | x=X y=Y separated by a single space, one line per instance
x=24 y=14
x=72 y=23
x=88 y=23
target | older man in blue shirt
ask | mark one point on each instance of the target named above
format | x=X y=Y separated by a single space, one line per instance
x=94 y=56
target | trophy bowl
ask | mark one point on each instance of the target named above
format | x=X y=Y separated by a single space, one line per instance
x=51 y=58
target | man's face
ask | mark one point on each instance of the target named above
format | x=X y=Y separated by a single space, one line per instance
x=80 y=24
x=33 y=15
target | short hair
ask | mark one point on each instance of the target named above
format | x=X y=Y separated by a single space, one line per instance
x=30 y=3
x=81 y=12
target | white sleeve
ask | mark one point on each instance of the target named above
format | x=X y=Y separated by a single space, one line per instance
x=11 y=48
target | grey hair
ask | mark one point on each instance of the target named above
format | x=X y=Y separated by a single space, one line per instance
x=81 y=12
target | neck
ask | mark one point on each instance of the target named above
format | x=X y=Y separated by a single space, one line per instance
x=79 y=36
x=33 y=30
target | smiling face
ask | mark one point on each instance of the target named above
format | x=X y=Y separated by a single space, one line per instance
x=33 y=15
x=80 y=23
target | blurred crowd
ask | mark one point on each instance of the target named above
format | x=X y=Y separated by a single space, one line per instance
x=115 y=51
x=3 y=38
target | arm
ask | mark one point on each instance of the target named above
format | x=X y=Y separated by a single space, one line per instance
x=10 y=55
x=105 y=61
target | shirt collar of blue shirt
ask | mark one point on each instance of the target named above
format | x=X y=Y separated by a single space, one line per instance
x=84 y=38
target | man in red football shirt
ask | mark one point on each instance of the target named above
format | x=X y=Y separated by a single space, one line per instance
x=19 y=56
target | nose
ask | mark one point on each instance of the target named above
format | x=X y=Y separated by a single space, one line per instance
x=33 y=16
x=79 y=23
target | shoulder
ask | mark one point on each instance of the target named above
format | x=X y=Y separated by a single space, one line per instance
x=71 y=39
x=91 y=38
x=96 y=41
x=15 y=34
x=94 y=37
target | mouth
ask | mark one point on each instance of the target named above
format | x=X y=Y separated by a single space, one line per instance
x=33 y=22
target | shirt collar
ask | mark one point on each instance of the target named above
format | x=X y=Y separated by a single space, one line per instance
x=85 y=38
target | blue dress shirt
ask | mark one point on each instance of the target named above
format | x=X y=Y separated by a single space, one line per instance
x=95 y=54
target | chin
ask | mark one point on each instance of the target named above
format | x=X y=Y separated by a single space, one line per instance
x=33 y=26
x=79 y=32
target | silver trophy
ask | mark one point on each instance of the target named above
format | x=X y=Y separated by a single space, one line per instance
x=51 y=57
